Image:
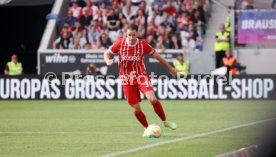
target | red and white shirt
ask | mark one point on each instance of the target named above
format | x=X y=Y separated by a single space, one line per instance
x=131 y=57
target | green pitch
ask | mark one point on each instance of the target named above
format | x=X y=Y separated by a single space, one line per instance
x=96 y=128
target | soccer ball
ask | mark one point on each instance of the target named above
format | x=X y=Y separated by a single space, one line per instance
x=153 y=131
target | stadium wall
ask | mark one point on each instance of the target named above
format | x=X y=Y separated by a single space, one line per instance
x=258 y=61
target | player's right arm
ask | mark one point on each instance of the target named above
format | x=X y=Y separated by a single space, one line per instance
x=107 y=56
x=114 y=49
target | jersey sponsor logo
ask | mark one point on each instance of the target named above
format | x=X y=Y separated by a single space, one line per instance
x=131 y=58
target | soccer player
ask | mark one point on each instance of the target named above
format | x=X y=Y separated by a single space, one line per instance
x=133 y=75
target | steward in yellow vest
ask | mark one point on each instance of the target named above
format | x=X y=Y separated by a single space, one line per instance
x=228 y=20
x=182 y=66
x=13 y=67
x=222 y=40
x=221 y=45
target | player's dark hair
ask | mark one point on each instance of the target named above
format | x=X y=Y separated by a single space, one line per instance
x=133 y=27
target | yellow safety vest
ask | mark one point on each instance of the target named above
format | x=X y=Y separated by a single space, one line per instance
x=228 y=23
x=15 y=68
x=222 y=46
x=183 y=68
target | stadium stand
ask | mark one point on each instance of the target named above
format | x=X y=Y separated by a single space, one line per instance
x=169 y=24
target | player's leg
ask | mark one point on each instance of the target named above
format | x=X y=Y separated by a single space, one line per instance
x=132 y=95
x=146 y=87
x=156 y=104
x=159 y=109
x=140 y=117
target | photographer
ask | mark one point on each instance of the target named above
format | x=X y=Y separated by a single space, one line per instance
x=92 y=70
x=230 y=61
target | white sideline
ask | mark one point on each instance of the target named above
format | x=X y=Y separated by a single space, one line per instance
x=184 y=138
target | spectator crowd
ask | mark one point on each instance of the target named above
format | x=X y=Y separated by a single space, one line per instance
x=164 y=24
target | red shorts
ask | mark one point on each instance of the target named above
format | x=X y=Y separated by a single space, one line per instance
x=132 y=91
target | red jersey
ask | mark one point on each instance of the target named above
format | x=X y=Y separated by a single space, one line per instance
x=131 y=57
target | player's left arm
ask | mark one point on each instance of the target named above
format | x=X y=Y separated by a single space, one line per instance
x=161 y=60
x=151 y=51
